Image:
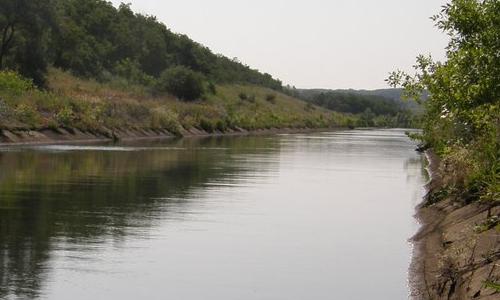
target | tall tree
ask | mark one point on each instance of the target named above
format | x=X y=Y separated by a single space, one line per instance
x=24 y=29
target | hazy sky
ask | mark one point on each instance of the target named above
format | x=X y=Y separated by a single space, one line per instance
x=313 y=43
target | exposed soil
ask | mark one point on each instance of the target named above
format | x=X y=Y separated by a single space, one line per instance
x=455 y=254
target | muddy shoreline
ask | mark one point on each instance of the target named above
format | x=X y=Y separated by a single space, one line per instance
x=13 y=137
x=455 y=255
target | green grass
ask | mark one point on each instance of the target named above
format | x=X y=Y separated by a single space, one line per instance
x=89 y=105
x=493 y=285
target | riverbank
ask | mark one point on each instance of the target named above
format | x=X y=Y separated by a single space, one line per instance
x=457 y=250
x=76 y=109
x=73 y=135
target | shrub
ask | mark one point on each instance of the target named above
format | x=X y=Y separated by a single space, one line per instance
x=182 y=82
x=14 y=83
x=212 y=89
x=207 y=125
x=221 y=126
x=461 y=120
x=243 y=96
x=27 y=114
x=65 y=116
x=309 y=107
x=271 y=98
x=5 y=110
x=131 y=70
x=163 y=118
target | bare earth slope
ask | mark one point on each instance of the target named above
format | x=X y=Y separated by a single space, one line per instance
x=457 y=251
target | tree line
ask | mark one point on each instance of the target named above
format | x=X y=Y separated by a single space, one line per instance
x=371 y=110
x=356 y=103
x=94 y=39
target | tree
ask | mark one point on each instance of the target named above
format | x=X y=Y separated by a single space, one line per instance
x=462 y=117
x=92 y=38
x=182 y=82
x=367 y=117
x=9 y=17
x=24 y=27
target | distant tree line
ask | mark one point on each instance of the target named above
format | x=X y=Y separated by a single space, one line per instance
x=356 y=103
x=372 y=110
x=93 y=39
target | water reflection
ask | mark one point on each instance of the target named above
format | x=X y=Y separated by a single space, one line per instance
x=54 y=197
x=282 y=217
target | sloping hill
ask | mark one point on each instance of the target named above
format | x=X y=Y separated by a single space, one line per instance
x=109 y=108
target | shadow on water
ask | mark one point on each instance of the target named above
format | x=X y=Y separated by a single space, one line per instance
x=81 y=197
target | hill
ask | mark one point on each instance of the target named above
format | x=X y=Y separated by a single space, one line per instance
x=114 y=110
x=87 y=66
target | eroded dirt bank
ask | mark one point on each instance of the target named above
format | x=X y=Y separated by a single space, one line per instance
x=457 y=250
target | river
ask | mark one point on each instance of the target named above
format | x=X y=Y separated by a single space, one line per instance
x=298 y=216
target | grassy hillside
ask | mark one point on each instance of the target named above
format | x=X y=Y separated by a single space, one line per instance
x=89 y=65
x=70 y=101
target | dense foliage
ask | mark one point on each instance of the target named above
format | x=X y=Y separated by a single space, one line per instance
x=371 y=110
x=25 y=36
x=354 y=103
x=92 y=38
x=462 y=117
x=182 y=82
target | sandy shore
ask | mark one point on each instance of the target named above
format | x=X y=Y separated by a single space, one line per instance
x=455 y=254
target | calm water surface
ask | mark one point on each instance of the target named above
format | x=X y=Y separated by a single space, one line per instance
x=313 y=216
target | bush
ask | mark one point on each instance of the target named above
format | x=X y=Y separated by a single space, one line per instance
x=221 y=126
x=65 y=116
x=309 y=107
x=163 y=118
x=14 y=83
x=461 y=120
x=27 y=114
x=5 y=110
x=131 y=70
x=271 y=98
x=207 y=125
x=182 y=82
x=212 y=89
x=243 y=96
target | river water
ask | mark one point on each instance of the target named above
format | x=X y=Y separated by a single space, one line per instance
x=299 y=216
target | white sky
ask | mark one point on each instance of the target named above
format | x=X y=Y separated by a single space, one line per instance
x=310 y=44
